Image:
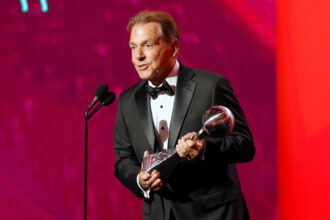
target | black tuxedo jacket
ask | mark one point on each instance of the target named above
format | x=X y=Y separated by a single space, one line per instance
x=196 y=189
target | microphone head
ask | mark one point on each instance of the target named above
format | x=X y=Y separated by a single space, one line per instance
x=102 y=91
x=109 y=99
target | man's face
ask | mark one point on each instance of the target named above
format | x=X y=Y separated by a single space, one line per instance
x=153 y=59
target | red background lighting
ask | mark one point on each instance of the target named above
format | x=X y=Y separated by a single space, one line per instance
x=303 y=90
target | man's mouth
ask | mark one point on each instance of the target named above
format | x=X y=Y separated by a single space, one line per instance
x=142 y=66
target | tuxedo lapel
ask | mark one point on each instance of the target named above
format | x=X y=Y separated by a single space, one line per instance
x=184 y=92
x=144 y=110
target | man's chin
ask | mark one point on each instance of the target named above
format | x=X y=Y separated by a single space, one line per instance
x=144 y=75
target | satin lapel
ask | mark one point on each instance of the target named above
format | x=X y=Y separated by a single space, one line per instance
x=184 y=93
x=143 y=107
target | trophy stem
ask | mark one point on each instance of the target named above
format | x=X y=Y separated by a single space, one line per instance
x=201 y=134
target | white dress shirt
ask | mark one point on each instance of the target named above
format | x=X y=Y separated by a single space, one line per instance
x=161 y=109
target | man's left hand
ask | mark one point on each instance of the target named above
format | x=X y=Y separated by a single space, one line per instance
x=189 y=146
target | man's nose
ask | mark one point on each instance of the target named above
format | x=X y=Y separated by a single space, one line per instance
x=139 y=54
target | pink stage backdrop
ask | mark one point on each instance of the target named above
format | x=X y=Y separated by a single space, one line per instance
x=50 y=64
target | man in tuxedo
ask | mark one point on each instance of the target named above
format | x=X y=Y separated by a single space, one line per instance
x=165 y=110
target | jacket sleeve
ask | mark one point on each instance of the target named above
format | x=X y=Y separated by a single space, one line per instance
x=127 y=166
x=238 y=146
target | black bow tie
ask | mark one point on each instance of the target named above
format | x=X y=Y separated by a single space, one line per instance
x=155 y=91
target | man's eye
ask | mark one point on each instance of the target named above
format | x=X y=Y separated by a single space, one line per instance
x=149 y=45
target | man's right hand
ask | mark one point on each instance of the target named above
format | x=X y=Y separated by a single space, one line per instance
x=150 y=180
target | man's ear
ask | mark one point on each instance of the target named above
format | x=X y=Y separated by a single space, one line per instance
x=175 y=49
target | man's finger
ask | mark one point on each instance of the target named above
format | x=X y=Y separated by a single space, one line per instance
x=190 y=143
x=158 y=187
x=190 y=136
x=183 y=144
x=145 y=176
x=193 y=153
x=182 y=148
x=155 y=184
x=179 y=150
x=146 y=153
x=154 y=175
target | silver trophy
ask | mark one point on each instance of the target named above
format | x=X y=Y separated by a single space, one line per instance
x=218 y=121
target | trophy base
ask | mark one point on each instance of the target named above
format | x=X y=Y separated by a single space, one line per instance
x=164 y=162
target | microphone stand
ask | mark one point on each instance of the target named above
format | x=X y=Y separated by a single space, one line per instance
x=85 y=182
x=87 y=116
x=107 y=101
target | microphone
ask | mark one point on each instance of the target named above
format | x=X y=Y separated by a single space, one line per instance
x=100 y=94
x=107 y=101
x=109 y=98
